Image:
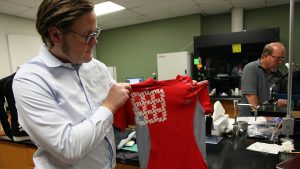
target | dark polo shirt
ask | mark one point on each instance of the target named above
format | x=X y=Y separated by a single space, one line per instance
x=255 y=80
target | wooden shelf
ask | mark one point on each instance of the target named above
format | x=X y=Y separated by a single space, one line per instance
x=227 y=105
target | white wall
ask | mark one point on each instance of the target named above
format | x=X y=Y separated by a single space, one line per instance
x=12 y=25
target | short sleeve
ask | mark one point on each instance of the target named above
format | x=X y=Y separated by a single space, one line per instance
x=203 y=96
x=249 y=82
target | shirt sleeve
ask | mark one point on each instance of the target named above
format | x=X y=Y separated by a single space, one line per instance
x=203 y=96
x=249 y=81
x=51 y=127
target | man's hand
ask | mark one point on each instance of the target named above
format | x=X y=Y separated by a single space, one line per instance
x=200 y=83
x=117 y=96
x=282 y=102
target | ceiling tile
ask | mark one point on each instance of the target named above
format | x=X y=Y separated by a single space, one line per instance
x=138 y=11
x=129 y=4
x=165 y=7
x=30 y=14
x=28 y=3
x=11 y=8
x=124 y=22
x=207 y=2
x=218 y=8
x=116 y=16
x=246 y=4
x=120 y=17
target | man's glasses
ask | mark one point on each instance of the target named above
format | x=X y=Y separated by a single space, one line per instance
x=278 y=58
x=88 y=38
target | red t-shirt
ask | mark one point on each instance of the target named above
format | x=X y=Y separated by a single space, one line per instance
x=167 y=108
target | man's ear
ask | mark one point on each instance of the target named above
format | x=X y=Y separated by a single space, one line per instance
x=55 y=35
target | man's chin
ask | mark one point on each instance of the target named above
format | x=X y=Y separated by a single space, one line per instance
x=88 y=59
x=274 y=70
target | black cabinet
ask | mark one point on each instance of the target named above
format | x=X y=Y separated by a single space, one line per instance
x=223 y=56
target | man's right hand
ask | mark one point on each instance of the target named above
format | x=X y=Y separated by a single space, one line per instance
x=117 y=96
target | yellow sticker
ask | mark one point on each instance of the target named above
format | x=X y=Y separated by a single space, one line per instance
x=236 y=48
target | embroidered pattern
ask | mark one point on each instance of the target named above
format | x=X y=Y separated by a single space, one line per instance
x=149 y=106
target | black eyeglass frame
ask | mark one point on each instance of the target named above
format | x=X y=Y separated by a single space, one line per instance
x=88 y=38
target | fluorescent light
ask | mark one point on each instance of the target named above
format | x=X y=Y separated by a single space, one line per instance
x=107 y=7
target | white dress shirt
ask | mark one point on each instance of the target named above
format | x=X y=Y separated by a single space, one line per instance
x=59 y=107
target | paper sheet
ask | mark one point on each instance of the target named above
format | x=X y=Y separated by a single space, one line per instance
x=131 y=148
x=265 y=147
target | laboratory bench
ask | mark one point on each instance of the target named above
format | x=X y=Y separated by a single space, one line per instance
x=229 y=153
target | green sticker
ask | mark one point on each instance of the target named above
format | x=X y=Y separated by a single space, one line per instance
x=196 y=61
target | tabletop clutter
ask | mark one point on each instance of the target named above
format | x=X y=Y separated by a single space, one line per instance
x=248 y=127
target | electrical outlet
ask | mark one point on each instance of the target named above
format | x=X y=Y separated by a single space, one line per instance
x=287 y=126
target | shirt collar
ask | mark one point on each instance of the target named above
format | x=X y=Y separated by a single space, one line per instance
x=278 y=72
x=49 y=59
x=258 y=63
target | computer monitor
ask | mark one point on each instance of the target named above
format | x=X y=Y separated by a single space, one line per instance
x=134 y=80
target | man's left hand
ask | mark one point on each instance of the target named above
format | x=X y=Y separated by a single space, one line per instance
x=200 y=83
x=282 y=102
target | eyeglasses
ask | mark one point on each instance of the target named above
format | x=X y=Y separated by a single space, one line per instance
x=278 y=58
x=88 y=38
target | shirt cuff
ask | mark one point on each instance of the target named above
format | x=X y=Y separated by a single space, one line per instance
x=102 y=114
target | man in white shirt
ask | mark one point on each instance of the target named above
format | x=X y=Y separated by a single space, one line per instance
x=64 y=97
